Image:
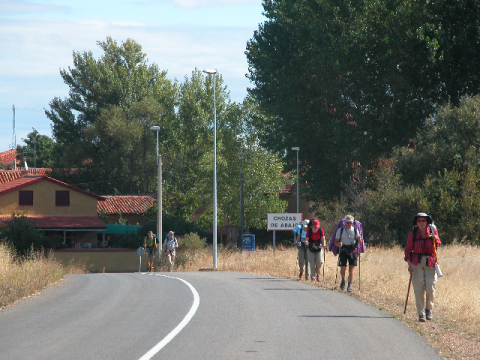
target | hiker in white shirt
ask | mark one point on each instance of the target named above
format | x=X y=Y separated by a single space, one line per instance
x=170 y=246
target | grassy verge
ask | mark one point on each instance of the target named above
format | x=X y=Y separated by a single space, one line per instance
x=22 y=277
x=455 y=330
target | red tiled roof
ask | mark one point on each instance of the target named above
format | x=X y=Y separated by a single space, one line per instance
x=9 y=175
x=8 y=157
x=28 y=180
x=63 y=222
x=126 y=204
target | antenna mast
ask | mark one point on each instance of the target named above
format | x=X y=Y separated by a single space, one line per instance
x=14 y=138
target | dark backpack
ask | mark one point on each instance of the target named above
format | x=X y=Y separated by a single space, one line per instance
x=415 y=227
x=312 y=247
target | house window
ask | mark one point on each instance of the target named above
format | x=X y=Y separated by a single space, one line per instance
x=62 y=198
x=25 y=197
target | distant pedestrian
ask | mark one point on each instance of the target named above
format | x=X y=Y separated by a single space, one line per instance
x=170 y=246
x=150 y=245
x=315 y=242
x=420 y=254
x=349 y=243
x=302 y=250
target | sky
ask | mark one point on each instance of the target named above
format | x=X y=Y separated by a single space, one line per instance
x=38 y=37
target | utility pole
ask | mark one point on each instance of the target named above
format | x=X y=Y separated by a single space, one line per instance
x=240 y=225
x=14 y=139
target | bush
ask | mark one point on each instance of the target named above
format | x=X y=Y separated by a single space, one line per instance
x=130 y=240
x=22 y=235
x=192 y=241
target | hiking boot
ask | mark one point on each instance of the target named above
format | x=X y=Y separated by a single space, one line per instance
x=318 y=278
x=342 y=284
x=428 y=314
x=349 y=288
x=300 y=276
x=421 y=318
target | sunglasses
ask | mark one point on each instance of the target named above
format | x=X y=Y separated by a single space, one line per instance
x=421 y=220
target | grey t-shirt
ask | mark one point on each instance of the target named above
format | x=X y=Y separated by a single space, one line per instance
x=170 y=243
x=348 y=236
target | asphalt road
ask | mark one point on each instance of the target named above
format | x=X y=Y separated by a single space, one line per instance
x=212 y=315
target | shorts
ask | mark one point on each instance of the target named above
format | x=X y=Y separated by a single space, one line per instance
x=150 y=251
x=345 y=256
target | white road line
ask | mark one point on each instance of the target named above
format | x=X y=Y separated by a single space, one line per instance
x=183 y=323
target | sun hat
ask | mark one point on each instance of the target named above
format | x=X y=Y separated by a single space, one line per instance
x=305 y=223
x=419 y=215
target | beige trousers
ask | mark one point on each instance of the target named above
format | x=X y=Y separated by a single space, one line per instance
x=315 y=259
x=170 y=259
x=303 y=260
x=424 y=280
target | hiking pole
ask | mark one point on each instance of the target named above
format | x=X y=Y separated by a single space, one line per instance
x=359 y=270
x=336 y=275
x=324 y=265
x=408 y=293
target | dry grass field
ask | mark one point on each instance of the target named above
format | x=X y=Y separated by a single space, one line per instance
x=455 y=330
x=27 y=276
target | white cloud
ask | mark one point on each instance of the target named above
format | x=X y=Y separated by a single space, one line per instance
x=26 y=7
x=33 y=51
x=191 y=4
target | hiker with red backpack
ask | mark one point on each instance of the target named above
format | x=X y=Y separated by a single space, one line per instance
x=347 y=242
x=315 y=242
x=420 y=254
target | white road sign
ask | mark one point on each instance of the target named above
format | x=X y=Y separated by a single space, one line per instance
x=283 y=221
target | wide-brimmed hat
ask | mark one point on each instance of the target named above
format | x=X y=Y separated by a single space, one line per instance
x=419 y=215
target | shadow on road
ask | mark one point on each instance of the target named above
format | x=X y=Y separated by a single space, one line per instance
x=348 y=316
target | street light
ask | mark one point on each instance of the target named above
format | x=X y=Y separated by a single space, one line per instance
x=298 y=193
x=159 y=191
x=214 y=72
x=240 y=225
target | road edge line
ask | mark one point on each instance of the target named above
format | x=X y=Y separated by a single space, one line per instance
x=180 y=326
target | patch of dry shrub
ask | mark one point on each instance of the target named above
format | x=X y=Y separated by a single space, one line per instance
x=21 y=277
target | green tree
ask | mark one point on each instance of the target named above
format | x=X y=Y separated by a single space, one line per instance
x=104 y=125
x=261 y=168
x=450 y=141
x=109 y=100
x=42 y=145
x=360 y=77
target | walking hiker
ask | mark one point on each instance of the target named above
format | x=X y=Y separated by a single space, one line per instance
x=302 y=250
x=315 y=242
x=150 y=245
x=420 y=254
x=348 y=242
x=170 y=246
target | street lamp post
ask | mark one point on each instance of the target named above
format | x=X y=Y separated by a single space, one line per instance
x=298 y=192
x=240 y=225
x=159 y=192
x=214 y=72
